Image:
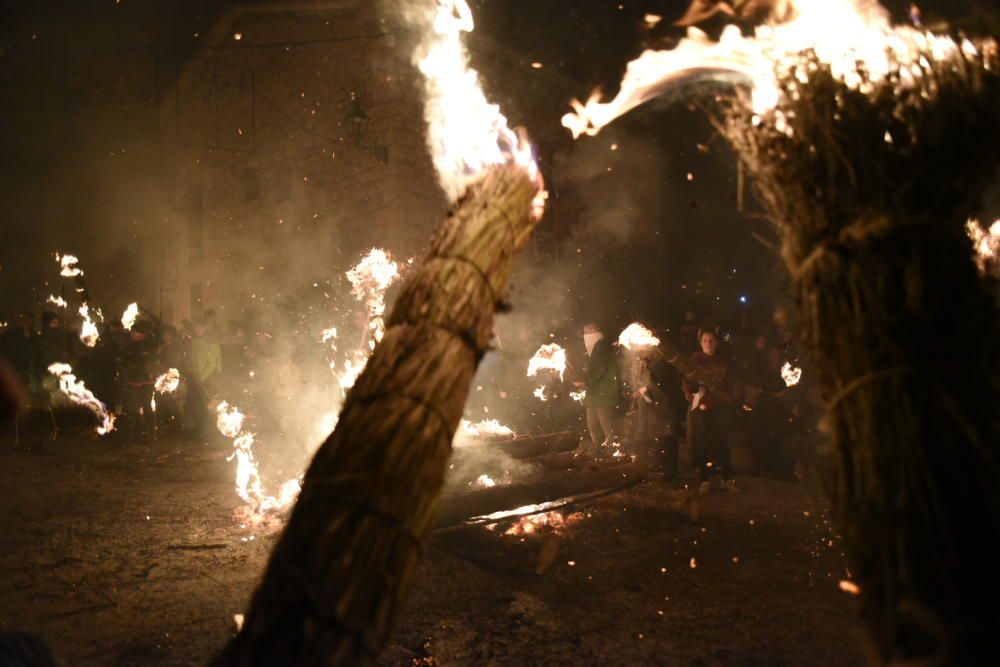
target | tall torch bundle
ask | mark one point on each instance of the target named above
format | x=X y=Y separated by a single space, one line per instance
x=870 y=144
x=870 y=188
x=336 y=579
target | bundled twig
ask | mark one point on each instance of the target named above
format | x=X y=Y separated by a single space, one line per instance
x=870 y=191
x=334 y=586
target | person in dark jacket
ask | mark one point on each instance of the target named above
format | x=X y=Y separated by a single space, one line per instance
x=601 y=386
x=51 y=347
x=135 y=368
x=709 y=418
x=17 y=346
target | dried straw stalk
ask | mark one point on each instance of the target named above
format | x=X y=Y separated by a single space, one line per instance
x=870 y=193
x=337 y=577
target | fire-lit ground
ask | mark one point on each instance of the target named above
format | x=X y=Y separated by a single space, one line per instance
x=128 y=555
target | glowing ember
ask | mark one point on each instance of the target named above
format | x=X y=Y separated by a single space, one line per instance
x=57 y=301
x=637 y=337
x=129 y=316
x=69 y=266
x=791 y=374
x=851 y=36
x=486 y=481
x=539 y=393
x=88 y=332
x=578 y=396
x=465 y=132
x=370 y=279
x=329 y=335
x=849 y=587
x=168 y=382
x=550 y=357
x=986 y=243
x=79 y=394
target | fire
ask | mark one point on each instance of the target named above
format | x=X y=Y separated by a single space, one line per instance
x=168 y=382
x=578 y=396
x=466 y=133
x=88 y=332
x=791 y=374
x=849 y=586
x=57 y=301
x=129 y=316
x=486 y=481
x=370 y=278
x=533 y=523
x=69 y=266
x=486 y=428
x=539 y=393
x=550 y=357
x=636 y=337
x=986 y=243
x=230 y=422
x=76 y=391
x=850 y=36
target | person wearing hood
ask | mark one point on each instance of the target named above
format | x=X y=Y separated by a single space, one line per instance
x=601 y=385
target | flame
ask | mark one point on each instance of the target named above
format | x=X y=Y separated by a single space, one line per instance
x=88 y=332
x=578 y=396
x=550 y=357
x=230 y=422
x=128 y=317
x=76 y=391
x=168 y=382
x=485 y=428
x=791 y=374
x=486 y=481
x=986 y=244
x=854 y=37
x=539 y=393
x=69 y=266
x=466 y=133
x=534 y=523
x=636 y=337
x=57 y=301
x=370 y=278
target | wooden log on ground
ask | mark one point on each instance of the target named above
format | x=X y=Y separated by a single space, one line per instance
x=532 y=446
x=533 y=553
x=337 y=577
x=457 y=508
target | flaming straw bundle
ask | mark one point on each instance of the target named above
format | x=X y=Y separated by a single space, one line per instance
x=88 y=332
x=130 y=315
x=168 y=382
x=337 y=577
x=637 y=337
x=791 y=374
x=550 y=357
x=870 y=144
x=75 y=391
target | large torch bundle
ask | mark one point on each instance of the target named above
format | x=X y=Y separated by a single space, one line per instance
x=870 y=144
x=870 y=186
x=334 y=586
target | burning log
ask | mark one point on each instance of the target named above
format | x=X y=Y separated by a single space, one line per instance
x=458 y=508
x=870 y=186
x=337 y=577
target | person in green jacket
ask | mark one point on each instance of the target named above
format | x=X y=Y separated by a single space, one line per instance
x=601 y=385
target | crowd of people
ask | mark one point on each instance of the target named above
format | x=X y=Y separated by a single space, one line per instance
x=699 y=393
x=121 y=368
